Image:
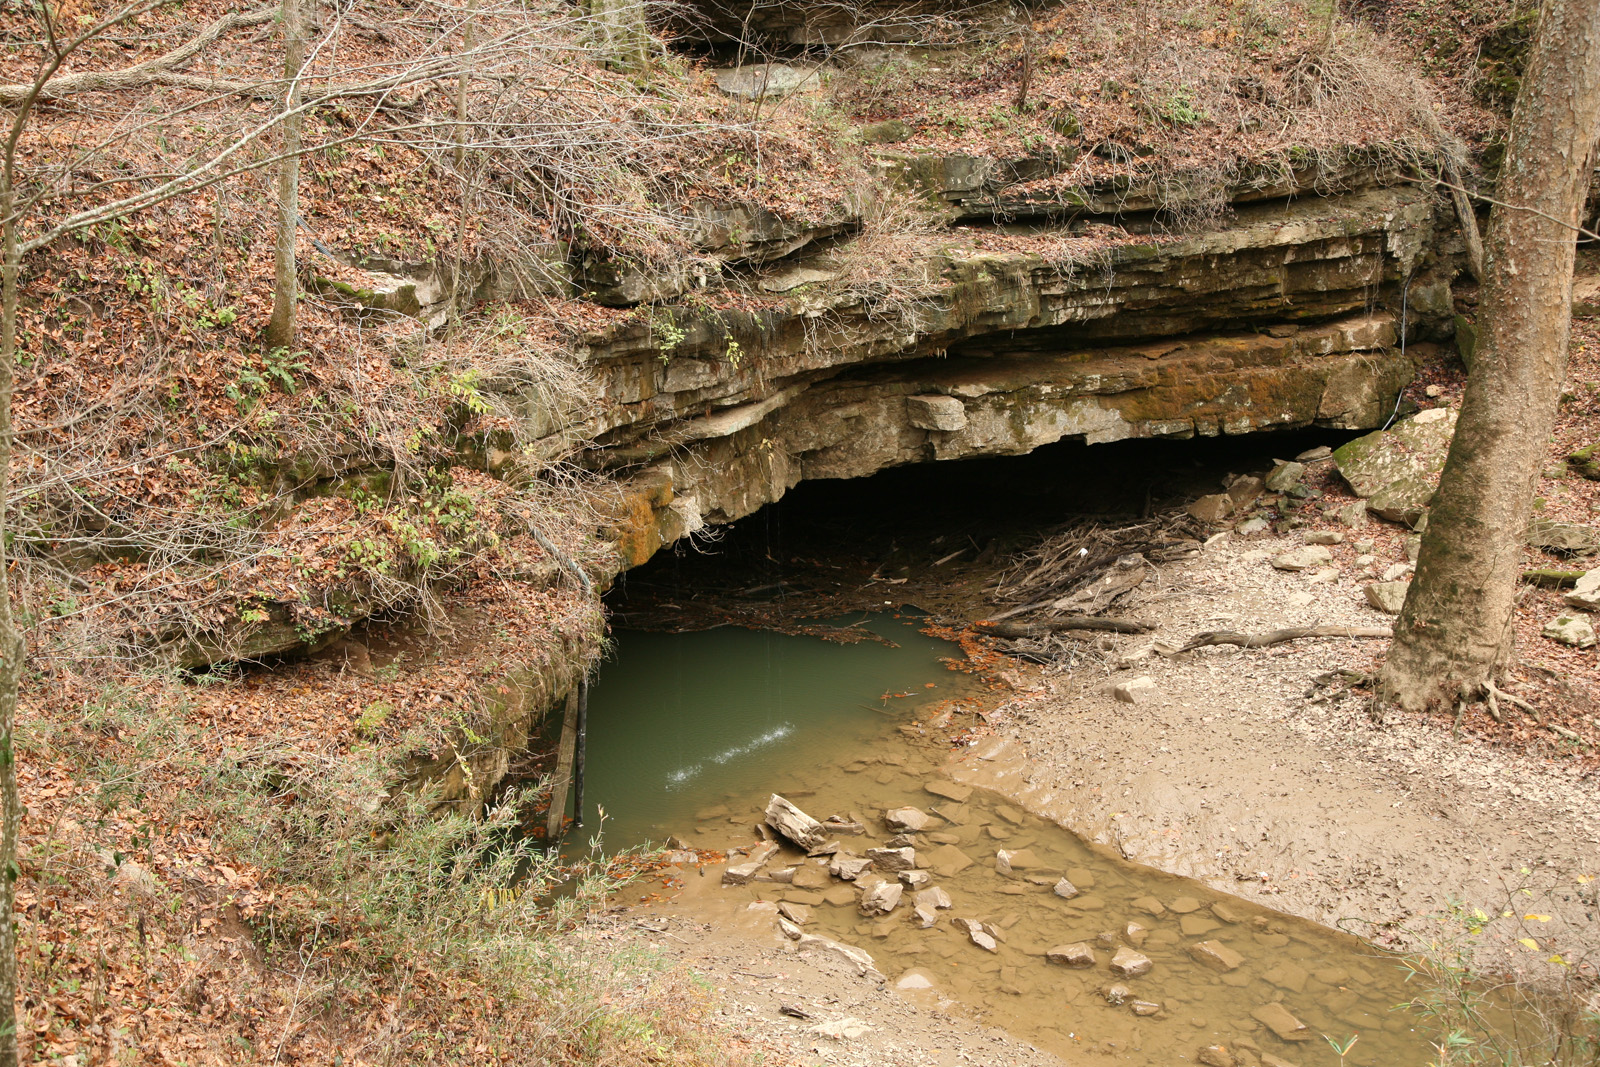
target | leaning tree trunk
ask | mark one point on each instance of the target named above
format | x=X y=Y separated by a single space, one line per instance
x=1455 y=628
x=285 y=286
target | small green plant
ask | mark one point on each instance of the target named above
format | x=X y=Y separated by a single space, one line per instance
x=1342 y=1048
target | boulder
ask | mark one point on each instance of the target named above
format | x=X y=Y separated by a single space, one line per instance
x=907 y=819
x=1586 y=594
x=882 y=898
x=1077 y=954
x=1387 y=597
x=1304 y=558
x=1354 y=515
x=795 y=824
x=1564 y=538
x=1130 y=964
x=1212 y=508
x=757 y=81
x=1245 y=490
x=890 y=131
x=1397 y=470
x=1142 y=690
x=1574 y=630
x=1285 y=476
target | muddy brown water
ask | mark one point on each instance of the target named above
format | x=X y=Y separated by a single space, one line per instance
x=1222 y=971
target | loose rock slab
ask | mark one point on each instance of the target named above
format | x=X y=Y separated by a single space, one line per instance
x=1130 y=964
x=901 y=820
x=1141 y=690
x=1387 y=597
x=1216 y=954
x=1077 y=954
x=795 y=824
x=1303 y=558
x=882 y=898
x=893 y=859
x=742 y=873
x=1586 y=594
x=1276 y=1017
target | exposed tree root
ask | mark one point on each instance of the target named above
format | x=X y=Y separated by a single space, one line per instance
x=1274 y=637
x=1071 y=622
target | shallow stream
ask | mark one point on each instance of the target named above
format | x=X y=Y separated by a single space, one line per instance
x=692 y=732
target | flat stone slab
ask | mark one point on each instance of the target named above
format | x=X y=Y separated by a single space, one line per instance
x=948 y=790
x=1216 y=954
x=1277 y=1018
x=946 y=861
x=1008 y=860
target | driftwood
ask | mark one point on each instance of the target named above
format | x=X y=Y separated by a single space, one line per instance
x=1274 y=637
x=1040 y=627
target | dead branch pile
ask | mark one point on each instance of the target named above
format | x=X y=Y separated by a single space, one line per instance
x=1082 y=568
x=1057 y=590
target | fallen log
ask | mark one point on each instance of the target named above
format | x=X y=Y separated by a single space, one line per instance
x=1275 y=637
x=1040 y=627
x=1552 y=579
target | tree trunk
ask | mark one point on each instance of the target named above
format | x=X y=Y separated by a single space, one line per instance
x=11 y=646
x=1455 y=628
x=285 y=285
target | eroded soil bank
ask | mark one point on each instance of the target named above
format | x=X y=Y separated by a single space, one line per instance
x=1234 y=774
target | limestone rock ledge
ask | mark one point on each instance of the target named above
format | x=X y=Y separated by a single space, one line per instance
x=1278 y=320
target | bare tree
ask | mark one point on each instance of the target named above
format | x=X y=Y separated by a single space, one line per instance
x=1454 y=632
x=285 y=286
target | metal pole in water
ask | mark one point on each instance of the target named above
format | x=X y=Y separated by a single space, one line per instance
x=577 y=762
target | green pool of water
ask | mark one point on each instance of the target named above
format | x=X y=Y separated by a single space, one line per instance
x=678 y=722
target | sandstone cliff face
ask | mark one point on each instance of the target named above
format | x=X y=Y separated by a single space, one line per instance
x=995 y=342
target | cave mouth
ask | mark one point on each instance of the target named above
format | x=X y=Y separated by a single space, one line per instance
x=897 y=532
